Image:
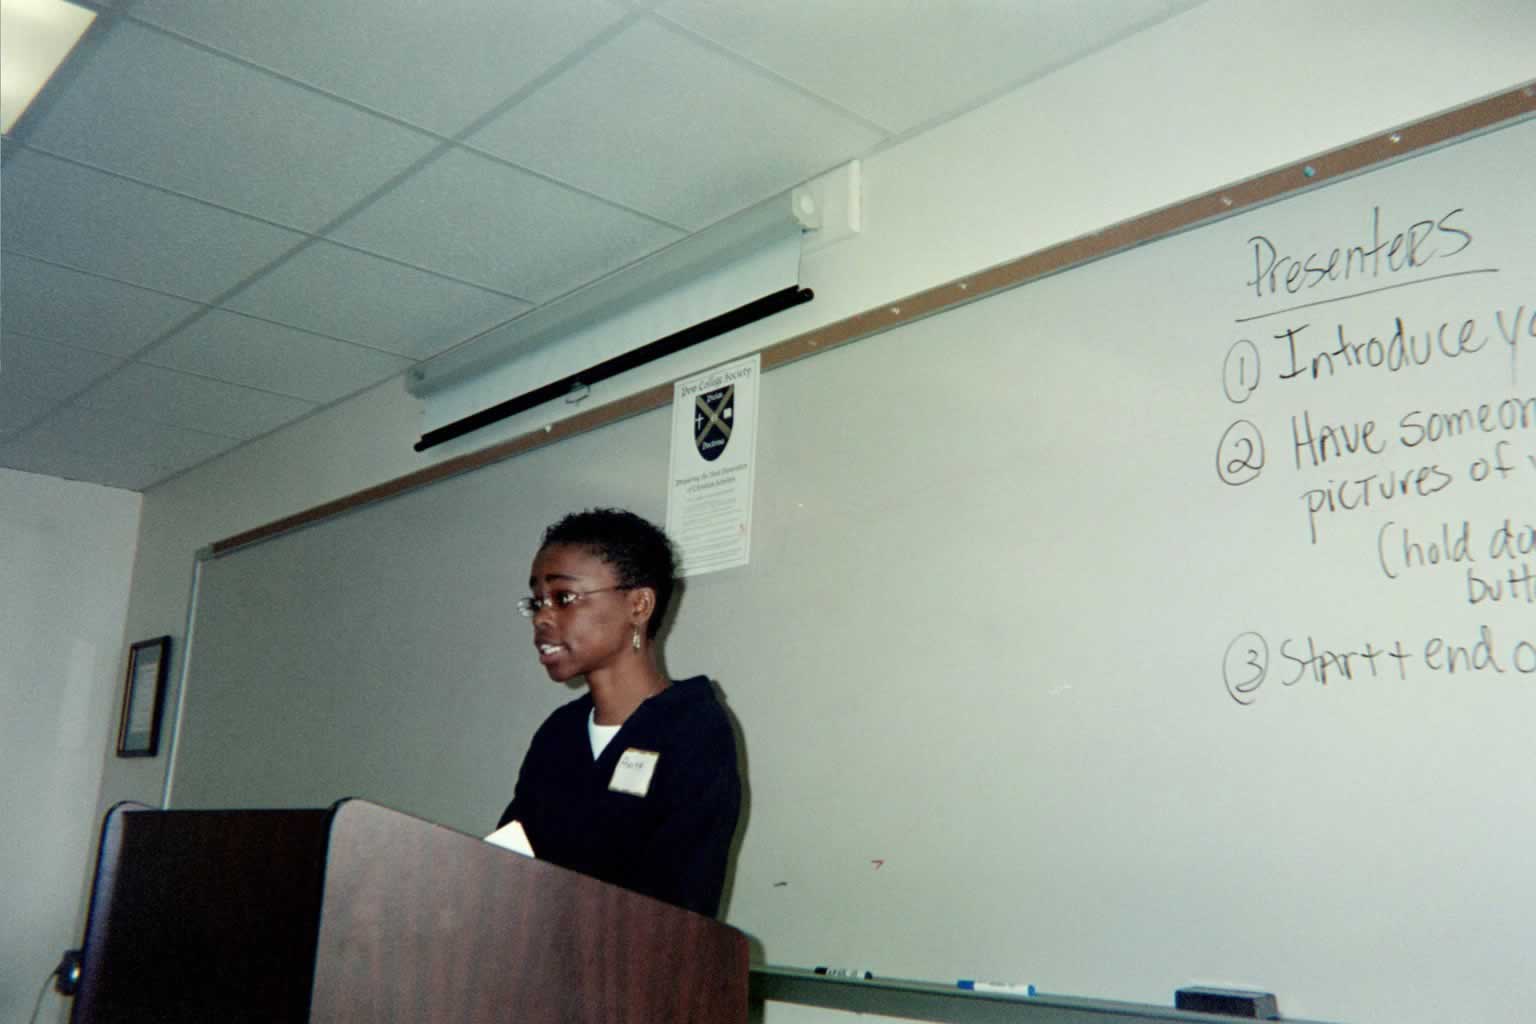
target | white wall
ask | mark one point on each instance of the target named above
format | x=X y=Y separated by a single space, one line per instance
x=66 y=559
x=1225 y=91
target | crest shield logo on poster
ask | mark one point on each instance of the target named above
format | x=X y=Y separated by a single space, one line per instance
x=712 y=415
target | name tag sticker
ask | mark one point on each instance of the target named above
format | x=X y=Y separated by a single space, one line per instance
x=633 y=772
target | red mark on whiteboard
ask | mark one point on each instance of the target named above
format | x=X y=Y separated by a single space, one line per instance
x=878 y=864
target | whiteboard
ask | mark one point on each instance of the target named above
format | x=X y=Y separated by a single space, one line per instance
x=1121 y=631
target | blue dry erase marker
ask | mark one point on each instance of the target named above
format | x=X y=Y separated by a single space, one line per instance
x=996 y=987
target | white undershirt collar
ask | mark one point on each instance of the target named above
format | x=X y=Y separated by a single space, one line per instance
x=600 y=735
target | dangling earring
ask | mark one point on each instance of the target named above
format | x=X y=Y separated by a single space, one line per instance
x=634 y=638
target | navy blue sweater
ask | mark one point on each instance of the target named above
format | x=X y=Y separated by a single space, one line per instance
x=673 y=842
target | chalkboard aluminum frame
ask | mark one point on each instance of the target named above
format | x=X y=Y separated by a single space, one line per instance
x=144 y=675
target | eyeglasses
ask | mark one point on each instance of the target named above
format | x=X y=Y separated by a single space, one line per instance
x=531 y=606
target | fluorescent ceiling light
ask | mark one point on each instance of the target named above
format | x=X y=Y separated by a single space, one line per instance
x=35 y=37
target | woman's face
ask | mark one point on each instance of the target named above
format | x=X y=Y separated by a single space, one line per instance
x=588 y=623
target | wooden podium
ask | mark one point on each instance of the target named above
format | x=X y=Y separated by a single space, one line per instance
x=360 y=913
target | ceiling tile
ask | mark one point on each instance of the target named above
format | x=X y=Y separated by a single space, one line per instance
x=19 y=407
x=118 y=451
x=132 y=470
x=376 y=302
x=901 y=63
x=67 y=214
x=463 y=57
x=483 y=222
x=258 y=354
x=182 y=400
x=78 y=309
x=160 y=110
x=674 y=128
x=40 y=368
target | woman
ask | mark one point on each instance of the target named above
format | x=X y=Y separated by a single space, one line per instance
x=634 y=782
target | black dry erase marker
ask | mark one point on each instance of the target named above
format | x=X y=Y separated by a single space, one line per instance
x=844 y=972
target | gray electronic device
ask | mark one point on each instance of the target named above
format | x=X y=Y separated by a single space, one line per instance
x=1230 y=1001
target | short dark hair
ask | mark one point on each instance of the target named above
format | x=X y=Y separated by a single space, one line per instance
x=638 y=550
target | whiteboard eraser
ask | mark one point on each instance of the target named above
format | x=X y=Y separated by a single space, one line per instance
x=1231 y=1001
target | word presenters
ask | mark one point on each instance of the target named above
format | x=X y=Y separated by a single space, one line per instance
x=1377 y=415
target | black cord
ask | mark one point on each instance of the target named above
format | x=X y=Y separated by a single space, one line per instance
x=38 y=1006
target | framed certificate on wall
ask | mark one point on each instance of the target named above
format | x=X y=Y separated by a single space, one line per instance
x=143 y=697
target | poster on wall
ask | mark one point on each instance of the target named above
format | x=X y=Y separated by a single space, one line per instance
x=714 y=442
